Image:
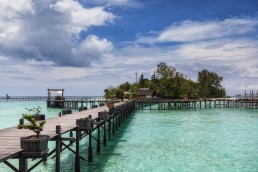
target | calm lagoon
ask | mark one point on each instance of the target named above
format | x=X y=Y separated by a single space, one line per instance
x=181 y=140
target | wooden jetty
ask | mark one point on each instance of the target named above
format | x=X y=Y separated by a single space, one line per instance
x=44 y=98
x=165 y=104
x=55 y=128
x=76 y=104
x=27 y=98
x=73 y=103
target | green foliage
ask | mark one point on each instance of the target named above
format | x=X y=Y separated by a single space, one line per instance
x=36 y=128
x=141 y=81
x=119 y=94
x=125 y=86
x=36 y=110
x=165 y=71
x=110 y=93
x=167 y=82
x=209 y=84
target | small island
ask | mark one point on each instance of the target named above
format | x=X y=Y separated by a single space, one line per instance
x=167 y=82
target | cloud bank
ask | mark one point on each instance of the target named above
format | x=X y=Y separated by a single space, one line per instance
x=50 y=31
x=48 y=44
x=188 y=31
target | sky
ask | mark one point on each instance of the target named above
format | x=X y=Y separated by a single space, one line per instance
x=85 y=46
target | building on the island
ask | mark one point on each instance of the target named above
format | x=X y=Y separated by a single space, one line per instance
x=146 y=93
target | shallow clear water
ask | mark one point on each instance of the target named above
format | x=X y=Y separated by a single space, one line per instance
x=201 y=140
x=11 y=112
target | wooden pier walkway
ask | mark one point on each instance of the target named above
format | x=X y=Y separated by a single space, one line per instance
x=76 y=104
x=167 y=104
x=10 y=137
x=45 y=98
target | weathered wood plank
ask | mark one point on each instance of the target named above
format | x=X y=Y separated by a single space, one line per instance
x=10 y=137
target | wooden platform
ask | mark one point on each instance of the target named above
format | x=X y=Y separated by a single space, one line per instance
x=76 y=104
x=176 y=104
x=10 y=137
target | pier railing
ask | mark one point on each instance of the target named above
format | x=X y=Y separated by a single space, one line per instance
x=15 y=99
x=56 y=128
x=175 y=104
x=44 y=98
x=76 y=104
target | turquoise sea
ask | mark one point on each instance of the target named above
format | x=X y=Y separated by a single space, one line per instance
x=219 y=140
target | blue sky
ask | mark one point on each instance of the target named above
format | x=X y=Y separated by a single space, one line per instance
x=85 y=46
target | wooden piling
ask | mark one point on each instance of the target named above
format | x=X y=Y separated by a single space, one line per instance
x=23 y=164
x=58 y=146
x=90 y=147
x=77 y=156
x=104 y=135
x=98 y=139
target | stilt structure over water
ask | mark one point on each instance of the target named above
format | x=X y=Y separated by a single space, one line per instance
x=104 y=128
x=161 y=104
x=56 y=128
x=59 y=101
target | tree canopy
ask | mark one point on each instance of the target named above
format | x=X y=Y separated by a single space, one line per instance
x=167 y=82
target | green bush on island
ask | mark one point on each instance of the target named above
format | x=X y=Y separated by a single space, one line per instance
x=167 y=82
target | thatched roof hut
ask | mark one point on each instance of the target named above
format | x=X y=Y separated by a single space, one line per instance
x=146 y=92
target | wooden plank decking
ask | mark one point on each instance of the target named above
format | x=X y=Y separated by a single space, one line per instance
x=10 y=137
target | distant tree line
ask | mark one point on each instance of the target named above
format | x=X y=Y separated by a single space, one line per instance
x=167 y=82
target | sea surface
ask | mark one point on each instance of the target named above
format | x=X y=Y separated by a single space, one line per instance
x=214 y=140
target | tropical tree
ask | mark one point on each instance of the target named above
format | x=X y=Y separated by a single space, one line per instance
x=170 y=83
x=165 y=71
x=141 y=81
x=209 y=84
x=119 y=94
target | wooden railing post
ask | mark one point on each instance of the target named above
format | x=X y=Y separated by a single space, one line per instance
x=77 y=156
x=109 y=127
x=104 y=136
x=90 y=148
x=23 y=164
x=58 y=146
x=98 y=139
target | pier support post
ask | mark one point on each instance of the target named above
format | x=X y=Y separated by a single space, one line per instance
x=113 y=127
x=109 y=127
x=90 y=148
x=71 y=135
x=118 y=118
x=98 y=139
x=77 y=156
x=23 y=164
x=123 y=118
x=117 y=121
x=104 y=136
x=58 y=146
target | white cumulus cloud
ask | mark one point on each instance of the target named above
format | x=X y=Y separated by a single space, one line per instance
x=202 y=30
x=80 y=17
x=92 y=49
x=49 y=31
